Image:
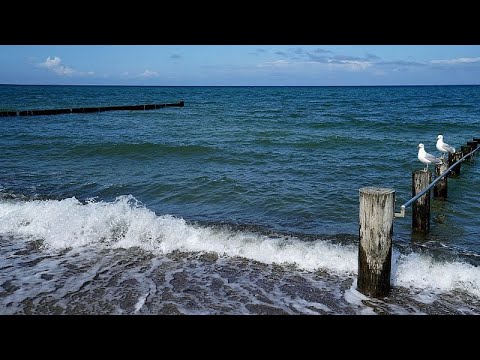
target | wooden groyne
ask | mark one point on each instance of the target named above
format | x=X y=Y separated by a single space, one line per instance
x=89 y=109
x=376 y=215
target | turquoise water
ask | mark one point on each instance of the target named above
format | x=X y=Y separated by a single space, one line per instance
x=268 y=175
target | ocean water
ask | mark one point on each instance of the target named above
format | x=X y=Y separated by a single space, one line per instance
x=245 y=201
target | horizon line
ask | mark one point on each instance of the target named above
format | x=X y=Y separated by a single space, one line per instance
x=124 y=85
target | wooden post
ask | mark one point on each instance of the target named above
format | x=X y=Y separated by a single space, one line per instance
x=377 y=208
x=452 y=159
x=421 y=207
x=473 y=146
x=465 y=150
x=440 y=188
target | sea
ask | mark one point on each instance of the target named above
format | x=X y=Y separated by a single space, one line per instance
x=244 y=201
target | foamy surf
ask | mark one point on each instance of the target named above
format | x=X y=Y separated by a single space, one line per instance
x=126 y=223
x=423 y=272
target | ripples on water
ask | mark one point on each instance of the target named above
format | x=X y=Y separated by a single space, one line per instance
x=243 y=201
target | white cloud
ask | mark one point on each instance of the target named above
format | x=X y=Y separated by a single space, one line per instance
x=55 y=64
x=331 y=64
x=148 y=73
x=353 y=65
x=456 y=61
x=276 y=63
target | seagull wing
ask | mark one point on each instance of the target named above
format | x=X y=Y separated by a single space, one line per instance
x=432 y=158
x=449 y=148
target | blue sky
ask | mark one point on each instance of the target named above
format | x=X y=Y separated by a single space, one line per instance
x=317 y=65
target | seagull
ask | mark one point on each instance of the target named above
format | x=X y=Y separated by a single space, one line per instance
x=443 y=147
x=427 y=158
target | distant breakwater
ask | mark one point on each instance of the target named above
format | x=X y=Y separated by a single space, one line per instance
x=89 y=109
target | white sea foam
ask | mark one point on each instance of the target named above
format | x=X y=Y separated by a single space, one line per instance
x=354 y=297
x=421 y=271
x=125 y=223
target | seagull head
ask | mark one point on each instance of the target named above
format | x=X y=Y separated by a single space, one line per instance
x=440 y=137
x=420 y=146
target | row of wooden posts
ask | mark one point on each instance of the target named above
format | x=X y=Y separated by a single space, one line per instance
x=376 y=214
x=88 y=109
x=421 y=179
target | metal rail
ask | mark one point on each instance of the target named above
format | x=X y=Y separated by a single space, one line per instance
x=412 y=200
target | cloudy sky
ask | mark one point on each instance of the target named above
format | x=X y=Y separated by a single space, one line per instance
x=223 y=65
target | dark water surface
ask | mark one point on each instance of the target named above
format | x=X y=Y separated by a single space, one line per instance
x=245 y=201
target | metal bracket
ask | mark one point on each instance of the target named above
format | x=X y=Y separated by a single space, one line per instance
x=401 y=214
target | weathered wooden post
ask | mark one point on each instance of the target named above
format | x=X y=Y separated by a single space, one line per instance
x=452 y=159
x=421 y=208
x=473 y=146
x=465 y=150
x=377 y=208
x=440 y=189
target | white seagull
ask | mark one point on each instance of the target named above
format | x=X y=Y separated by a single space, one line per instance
x=426 y=158
x=443 y=147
